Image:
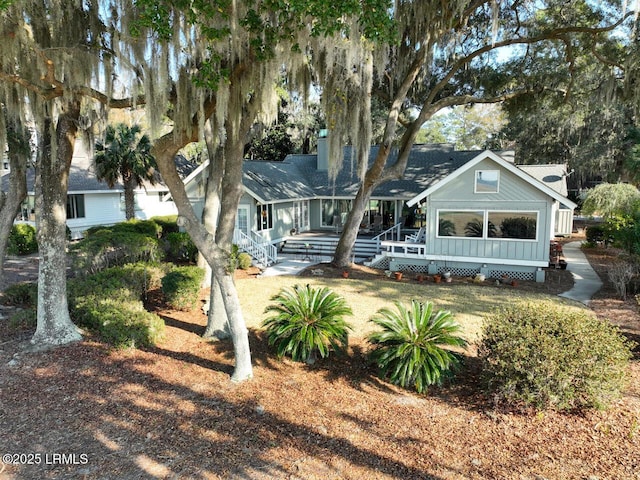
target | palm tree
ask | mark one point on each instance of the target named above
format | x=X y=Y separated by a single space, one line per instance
x=125 y=155
x=413 y=349
x=307 y=321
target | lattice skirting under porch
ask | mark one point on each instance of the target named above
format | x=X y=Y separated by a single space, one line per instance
x=462 y=272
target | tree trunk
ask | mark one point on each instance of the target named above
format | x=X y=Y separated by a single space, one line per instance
x=54 y=326
x=239 y=334
x=211 y=208
x=12 y=200
x=164 y=151
x=231 y=192
x=217 y=321
x=129 y=197
x=342 y=255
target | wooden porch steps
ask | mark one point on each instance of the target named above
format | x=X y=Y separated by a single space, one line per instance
x=316 y=246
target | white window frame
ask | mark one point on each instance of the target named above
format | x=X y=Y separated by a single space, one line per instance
x=479 y=173
x=485 y=224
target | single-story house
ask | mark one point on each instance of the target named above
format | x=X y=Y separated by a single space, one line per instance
x=441 y=185
x=91 y=202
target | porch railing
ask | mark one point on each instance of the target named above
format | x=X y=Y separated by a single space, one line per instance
x=260 y=249
x=390 y=234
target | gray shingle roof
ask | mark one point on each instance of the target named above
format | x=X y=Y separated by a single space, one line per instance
x=298 y=177
x=82 y=176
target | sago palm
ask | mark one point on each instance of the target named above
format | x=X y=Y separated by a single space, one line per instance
x=125 y=155
x=306 y=322
x=412 y=350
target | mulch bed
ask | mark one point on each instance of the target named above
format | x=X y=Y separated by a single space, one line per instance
x=171 y=412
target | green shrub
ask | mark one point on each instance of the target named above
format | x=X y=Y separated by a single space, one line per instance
x=239 y=259
x=244 y=261
x=595 y=234
x=549 y=356
x=142 y=227
x=22 y=240
x=25 y=319
x=120 y=320
x=181 y=287
x=307 y=321
x=180 y=247
x=23 y=293
x=169 y=224
x=412 y=350
x=109 y=303
x=106 y=248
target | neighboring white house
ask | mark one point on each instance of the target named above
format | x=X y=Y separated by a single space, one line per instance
x=91 y=202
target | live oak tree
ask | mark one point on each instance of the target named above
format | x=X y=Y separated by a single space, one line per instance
x=237 y=51
x=55 y=72
x=448 y=54
x=19 y=155
x=590 y=125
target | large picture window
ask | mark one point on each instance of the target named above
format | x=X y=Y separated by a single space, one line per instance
x=488 y=224
x=487 y=181
x=75 y=206
x=518 y=225
x=460 y=223
x=264 y=217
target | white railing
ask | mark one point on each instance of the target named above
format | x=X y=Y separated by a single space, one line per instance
x=390 y=234
x=263 y=252
x=405 y=248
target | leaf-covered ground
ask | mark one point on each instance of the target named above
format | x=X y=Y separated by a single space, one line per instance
x=85 y=412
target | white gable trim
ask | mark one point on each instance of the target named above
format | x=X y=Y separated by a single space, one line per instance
x=200 y=169
x=488 y=154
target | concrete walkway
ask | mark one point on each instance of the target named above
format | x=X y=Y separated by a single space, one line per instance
x=292 y=264
x=586 y=280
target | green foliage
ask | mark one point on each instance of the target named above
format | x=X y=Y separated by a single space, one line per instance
x=125 y=155
x=550 y=356
x=22 y=240
x=180 y=247
x=595 y=234
x=110 y=303
x=238 y=259
x=24 y=293
x=168 y=224
x=143 y=227
x=307 y=321
x=244 y=261
x=624 y=232
x=609 y=199
x=118 y=245
x=413 y=348
x=275 y=144
x=25 y=319
x=181 y=287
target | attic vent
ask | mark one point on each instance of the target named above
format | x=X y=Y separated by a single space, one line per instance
x=260 y=179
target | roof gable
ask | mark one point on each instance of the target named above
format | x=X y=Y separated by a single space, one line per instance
x=488 y=154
